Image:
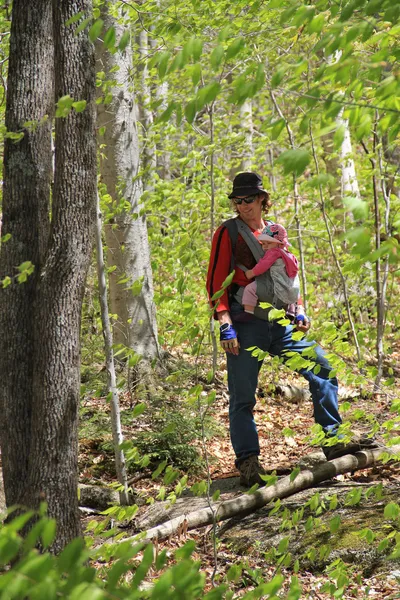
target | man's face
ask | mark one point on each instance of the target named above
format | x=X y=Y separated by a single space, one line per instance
x=250 y=210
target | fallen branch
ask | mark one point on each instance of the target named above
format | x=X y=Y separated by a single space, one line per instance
x=298 y=395
x=247 y=504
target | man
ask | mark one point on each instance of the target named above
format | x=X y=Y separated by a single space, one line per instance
x=235 y=247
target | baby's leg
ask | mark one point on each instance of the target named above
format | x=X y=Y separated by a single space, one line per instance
x=250 y=298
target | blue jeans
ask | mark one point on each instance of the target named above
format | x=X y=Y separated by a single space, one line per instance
x=243 y=372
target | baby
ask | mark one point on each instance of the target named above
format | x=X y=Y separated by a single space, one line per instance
x=283 y=267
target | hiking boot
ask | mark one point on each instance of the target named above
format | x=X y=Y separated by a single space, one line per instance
x=250 y=471
x=352 y=447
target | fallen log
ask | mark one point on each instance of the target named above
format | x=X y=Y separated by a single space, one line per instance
x=297 y=395
x=248 y=503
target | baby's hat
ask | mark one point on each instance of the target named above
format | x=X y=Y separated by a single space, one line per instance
x=274 y=233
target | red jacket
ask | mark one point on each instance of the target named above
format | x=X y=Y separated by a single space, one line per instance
x=220 y=265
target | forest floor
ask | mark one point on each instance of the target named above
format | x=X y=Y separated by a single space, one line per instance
x=284 y=428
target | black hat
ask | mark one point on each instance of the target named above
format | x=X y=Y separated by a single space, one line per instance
x=246 y=184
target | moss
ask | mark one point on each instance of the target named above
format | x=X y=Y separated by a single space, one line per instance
x=319 y=547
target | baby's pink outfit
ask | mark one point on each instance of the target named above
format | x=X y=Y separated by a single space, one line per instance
x=250 y=297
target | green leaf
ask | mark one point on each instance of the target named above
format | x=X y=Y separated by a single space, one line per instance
x=316 y=25
x=71 y=555
x=297 y=335
x=253 y=489
x=207 y=94
x=294 y=473
x=159 y=469
x=178 y=62
x=225 y=33
x=339 y=137
x=170 y=475
x=196 y=74
x=82 y=26
x=334 y=524
x=95 y=30
x=283 y=545
x=139 y=409
x=5 y=238
x=190 y=111
x=166 y=115
x=234 y=573
x=216 y=495
x=161 y=60
x=20 y=521
x=124 y=41
x=74 y=18
x=235 y=48
x=64 y=106
x=79 y=106
x=391 y=511
x=227 y=282
x=109 y=38
x=186 y=551
x=48 y=532
x=197 y=49
x=278 y=76
x=142 y=569
x=294 y=161
x=277 y=128
x=358 y=207
x=276 y=313
x=348 y=11
x=216 y=57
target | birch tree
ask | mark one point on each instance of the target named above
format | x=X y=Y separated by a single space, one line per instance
x=128 y=255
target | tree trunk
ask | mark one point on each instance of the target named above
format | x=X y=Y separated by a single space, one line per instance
x=126 y=232
x=146 y=115
x=53 y=461
x=349 y=182
x=26 y=194
x=120 y=463
x=248 y=503
x=246 y=120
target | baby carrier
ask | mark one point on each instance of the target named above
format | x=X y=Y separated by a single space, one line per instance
x=274 y=286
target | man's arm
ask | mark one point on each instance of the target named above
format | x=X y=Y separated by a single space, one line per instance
x=218 y=270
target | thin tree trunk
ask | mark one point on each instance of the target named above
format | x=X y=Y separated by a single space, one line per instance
x=380 y=284
x=248 y=503
x=246 y=120
x=53 y=463
x=25 y=206
x=349 y=182
x=296 y=206
x=126 y=231
x=334 y=256
x=120 y=466
x=212 y=226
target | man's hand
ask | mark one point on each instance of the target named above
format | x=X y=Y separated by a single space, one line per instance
x=228 y=338
x=302 y=324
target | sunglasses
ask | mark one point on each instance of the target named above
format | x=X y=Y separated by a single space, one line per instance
x=246 y=200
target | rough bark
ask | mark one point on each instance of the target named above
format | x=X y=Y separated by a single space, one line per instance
x=246 y=503
x=53 y=468
x=26 y=194
x=149 y=159
x=126 y=233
